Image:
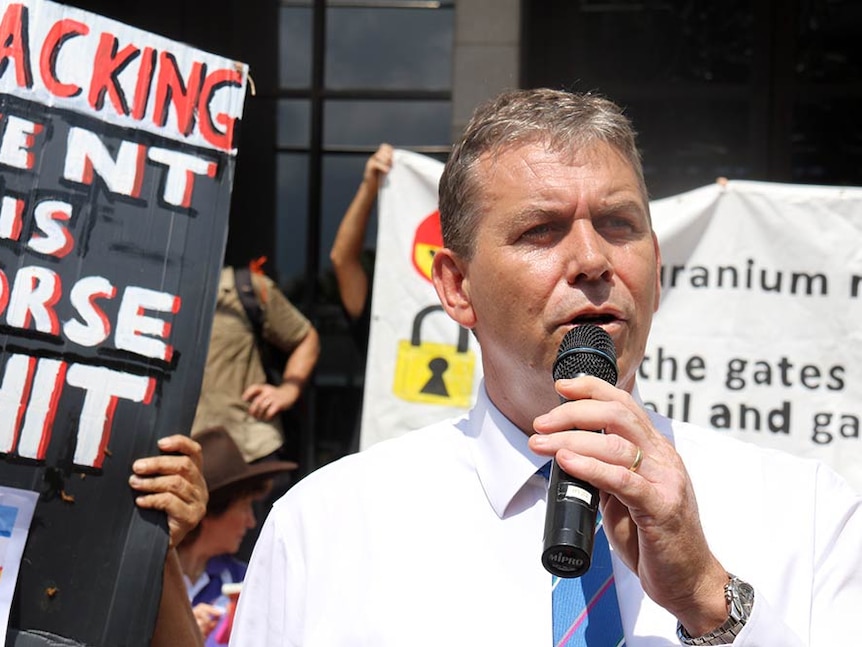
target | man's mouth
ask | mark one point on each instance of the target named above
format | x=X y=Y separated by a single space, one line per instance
x=595 y=319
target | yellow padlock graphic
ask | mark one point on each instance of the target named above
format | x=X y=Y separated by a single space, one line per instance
x=434 y=373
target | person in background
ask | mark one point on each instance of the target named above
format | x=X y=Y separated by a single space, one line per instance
x=235 y=392
x=435 y=537
x=206 y=554
x=351 y=273
x=173 y=483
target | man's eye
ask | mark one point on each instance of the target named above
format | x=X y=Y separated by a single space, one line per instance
x=619 y=224
x=538 y=230
x=616 y=221
x=541 y=231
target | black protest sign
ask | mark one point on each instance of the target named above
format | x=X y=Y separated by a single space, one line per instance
x=117 y=152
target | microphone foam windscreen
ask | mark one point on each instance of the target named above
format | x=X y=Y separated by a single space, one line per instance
x=586 y=350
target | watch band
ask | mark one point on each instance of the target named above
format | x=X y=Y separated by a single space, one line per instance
x=739 y=596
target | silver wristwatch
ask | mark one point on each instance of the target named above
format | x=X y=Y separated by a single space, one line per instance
x=739 y=596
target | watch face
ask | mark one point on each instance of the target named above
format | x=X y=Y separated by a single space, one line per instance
x=741 y=598
x=746 y=596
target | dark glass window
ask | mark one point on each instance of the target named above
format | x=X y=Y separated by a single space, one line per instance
x=294 y=123
x=829 y=126
x=291 y=222
x=400 y=123
x=746 y=89
x=389 y=48
x=828 y=49
x=385 y=76
x=690 y=143
x=598 y=44
x=295 y=33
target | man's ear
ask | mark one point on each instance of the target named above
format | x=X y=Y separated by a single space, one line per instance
x=449 y=273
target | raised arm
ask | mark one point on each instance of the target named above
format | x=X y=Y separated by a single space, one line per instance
x=353 y=283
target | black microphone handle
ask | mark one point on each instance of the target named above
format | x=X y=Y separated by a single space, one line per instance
x=570 y=523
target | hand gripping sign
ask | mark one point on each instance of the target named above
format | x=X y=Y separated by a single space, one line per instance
x=117 y=155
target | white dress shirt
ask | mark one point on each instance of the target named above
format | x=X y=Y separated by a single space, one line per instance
x=434 y=538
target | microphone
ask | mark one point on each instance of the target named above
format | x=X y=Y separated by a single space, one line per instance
x=570 y=518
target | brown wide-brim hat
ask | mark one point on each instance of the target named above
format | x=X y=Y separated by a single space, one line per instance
x=224 y=464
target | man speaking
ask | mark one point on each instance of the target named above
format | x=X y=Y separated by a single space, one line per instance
x=435 y=538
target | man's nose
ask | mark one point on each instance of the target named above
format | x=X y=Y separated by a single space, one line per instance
x=587 y=254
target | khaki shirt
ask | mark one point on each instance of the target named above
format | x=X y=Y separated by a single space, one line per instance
x=233 y=363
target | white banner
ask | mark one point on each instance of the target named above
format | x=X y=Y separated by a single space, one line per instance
x=757 y=334
x=759 y=325
x=422 y=366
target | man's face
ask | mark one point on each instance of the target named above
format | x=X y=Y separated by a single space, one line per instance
x=559 y=242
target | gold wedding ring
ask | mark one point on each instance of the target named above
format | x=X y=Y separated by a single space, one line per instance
x=636 y=463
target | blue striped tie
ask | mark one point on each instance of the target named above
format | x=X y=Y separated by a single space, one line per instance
x=585 y=609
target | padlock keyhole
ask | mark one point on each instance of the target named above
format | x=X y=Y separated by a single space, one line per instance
x=435 y=385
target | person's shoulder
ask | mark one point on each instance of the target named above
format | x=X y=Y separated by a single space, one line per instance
x=436 y=435
x=690 y=438
x=260 y=278
x=438 y=441
x=265 y=286
x=422 y=453
x=709 y=449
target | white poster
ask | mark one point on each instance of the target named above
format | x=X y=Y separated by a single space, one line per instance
x=758 y=332
x=422 y=366
x=760 y=322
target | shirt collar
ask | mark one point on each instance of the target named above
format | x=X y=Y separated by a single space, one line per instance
x=504 y=462
x=194 y=588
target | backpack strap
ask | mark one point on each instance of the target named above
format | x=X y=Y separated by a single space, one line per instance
x=250 y=303
x=273 y=365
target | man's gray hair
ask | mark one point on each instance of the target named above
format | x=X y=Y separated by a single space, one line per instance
x=564 y=121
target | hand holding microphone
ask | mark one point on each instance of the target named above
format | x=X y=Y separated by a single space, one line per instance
x=570 y=519
x=664 y=497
